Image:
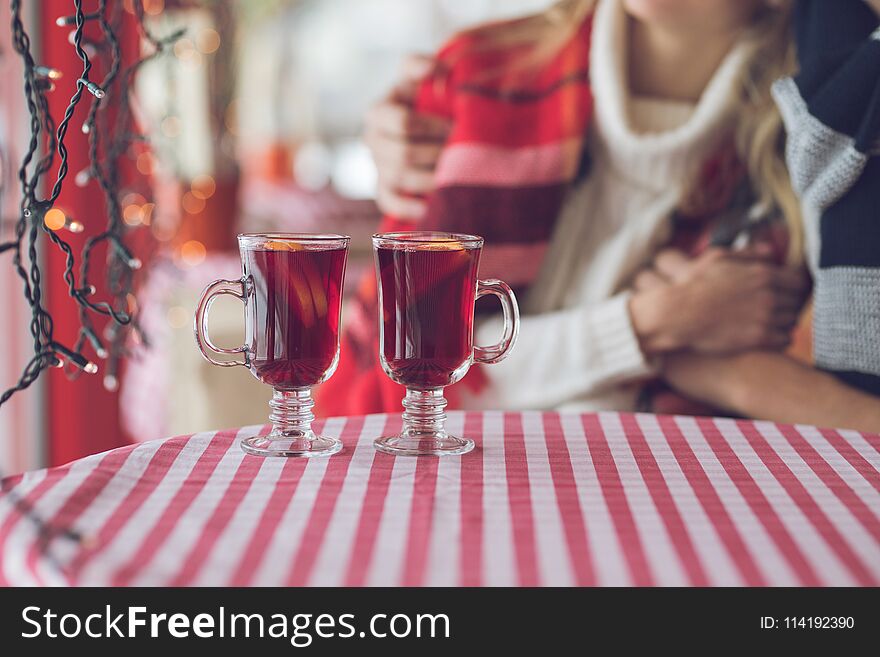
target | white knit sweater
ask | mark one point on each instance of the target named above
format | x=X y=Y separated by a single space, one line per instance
x=577 y=349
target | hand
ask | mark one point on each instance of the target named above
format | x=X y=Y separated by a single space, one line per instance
x=875 y=5
x=405 y=145
x=718 y=303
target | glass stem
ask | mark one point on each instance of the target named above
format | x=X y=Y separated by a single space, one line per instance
x=291 y=414
x=424 y=413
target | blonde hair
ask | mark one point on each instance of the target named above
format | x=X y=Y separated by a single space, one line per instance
x=759 y=134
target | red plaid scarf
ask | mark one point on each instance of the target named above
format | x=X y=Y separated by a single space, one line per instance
x=513 y=151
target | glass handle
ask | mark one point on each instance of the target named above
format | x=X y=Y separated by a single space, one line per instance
x=509 y=307
x=203 y=339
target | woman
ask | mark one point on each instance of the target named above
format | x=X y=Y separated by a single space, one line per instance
x=832 y=115
x=680 y=149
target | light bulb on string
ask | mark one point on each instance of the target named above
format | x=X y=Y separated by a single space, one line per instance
x=89 y=47
x=75 y=359
x=55 y=219
x=83 y=177
x=132 y=261
x=63 y=21
x=131 y=300
x=95 y=342
x=48 y=72
x=93 y=88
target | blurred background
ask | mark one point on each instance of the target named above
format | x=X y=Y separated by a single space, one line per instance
x=255 y=123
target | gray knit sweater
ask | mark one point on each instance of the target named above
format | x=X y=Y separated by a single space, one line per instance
x=831 y=110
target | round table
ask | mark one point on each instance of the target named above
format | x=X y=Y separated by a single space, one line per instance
x=545 y=499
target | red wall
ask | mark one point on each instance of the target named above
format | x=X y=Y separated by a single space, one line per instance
x=82 y=417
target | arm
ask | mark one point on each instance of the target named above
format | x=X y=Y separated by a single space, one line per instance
x=718 y=303
x=773 y=386
x=832 y=120
x=565 y=354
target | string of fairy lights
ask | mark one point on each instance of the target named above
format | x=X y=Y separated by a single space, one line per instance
x=112 y=134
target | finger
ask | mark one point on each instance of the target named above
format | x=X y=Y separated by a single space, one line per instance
x=792 y=279
x=755 y=251
x=788 y=303
x=392 y=151
x=778 y=339
x=785 y=319
x=404 y=93
x=413 y=69
x=672 y=264
x=648 y=279
x=399 y=120
x=416 y=66
x=397 y=205
x=409 y=180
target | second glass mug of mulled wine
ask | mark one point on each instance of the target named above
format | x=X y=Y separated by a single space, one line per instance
x=427 y=289
x=291 y=287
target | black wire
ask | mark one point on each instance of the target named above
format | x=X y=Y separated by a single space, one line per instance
x=109 y=141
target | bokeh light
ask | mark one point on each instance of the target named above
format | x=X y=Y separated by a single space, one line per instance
x=154 y=7
x=203 y=186
x=170 y=126
x=192 y=204
x=55 y=219
x=178 y=317
x=144 y=163
x=208 y=41
x=192 y=253
x=147 y=213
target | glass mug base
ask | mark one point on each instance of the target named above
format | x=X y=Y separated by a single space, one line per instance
x=424 y=432
x=442 y=444
x=292 y=434
x=299 y=446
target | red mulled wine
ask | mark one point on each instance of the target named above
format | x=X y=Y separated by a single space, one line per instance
x=427 y=298
x=293 y=332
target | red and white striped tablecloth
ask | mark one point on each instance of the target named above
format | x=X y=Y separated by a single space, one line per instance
x=545 y=499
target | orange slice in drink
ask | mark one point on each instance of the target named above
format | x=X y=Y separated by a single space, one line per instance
x=451 y=245
x=318 y=293
x=303 y=293
x=278 y=245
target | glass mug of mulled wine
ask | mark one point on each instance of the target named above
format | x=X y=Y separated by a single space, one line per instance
x=291 y=287
x=427 y=290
